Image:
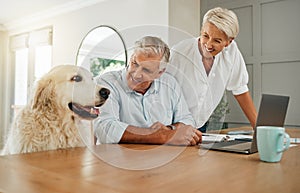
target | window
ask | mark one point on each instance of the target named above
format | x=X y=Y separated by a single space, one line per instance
x=21 y=76
x=32 y=54
x=43 y=55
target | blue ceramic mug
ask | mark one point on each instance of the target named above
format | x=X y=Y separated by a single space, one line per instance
x=271 y=142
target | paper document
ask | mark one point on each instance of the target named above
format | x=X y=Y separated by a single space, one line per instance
x=295 y=140
x=211 y=137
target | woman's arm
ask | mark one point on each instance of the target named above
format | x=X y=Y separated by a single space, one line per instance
x=246 y=104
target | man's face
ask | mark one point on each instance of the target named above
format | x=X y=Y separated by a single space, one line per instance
x=142 y=71
x=213 y=40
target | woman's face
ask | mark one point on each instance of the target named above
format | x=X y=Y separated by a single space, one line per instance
x=212 y=40
x=142 y=71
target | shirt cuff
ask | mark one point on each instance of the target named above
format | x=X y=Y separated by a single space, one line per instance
x=119 y=132
x=240 y=90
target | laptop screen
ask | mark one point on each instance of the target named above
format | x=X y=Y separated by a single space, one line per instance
x=272 y=112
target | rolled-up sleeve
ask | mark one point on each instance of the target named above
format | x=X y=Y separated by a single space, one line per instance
x=107 y=127
x=239 y=76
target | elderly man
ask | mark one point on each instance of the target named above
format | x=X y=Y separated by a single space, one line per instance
x=145 y=105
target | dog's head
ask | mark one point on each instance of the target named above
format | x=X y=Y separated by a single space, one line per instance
x=70 y=88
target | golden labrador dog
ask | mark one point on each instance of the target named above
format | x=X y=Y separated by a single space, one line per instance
x=62 y=97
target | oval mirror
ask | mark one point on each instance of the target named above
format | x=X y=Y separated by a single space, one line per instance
x=101 y=50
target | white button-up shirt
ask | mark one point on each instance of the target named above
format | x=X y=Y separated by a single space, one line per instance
x=203 y=92
x=163 y=102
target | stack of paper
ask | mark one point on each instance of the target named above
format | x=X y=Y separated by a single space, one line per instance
x=210 y=137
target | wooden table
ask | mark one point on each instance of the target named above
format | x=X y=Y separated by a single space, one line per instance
x=148 y=168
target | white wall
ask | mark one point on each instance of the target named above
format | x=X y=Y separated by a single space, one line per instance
x=70 y=28
x=185 y=15
x=1 y=75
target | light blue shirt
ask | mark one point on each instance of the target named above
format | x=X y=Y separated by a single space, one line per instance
x=163 y=102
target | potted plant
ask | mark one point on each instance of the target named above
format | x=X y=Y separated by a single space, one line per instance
x=216 y=120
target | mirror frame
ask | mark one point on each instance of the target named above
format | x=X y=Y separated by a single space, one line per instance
x=107 y=26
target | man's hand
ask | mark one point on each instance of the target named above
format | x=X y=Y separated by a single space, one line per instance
x=158 y=125
x=182 y=135
x=159 y=133
x=185 y=135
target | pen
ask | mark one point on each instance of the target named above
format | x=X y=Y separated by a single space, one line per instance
x=243 y=139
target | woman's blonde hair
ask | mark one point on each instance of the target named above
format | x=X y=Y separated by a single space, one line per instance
x=224 y=19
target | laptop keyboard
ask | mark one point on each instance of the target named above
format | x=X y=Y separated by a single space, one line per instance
x=233 y=144
x=228 y=143
x=241 y=146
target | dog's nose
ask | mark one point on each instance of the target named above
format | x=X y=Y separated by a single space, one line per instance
x=104 y=93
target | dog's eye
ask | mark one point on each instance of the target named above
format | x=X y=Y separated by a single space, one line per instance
x=76 y=78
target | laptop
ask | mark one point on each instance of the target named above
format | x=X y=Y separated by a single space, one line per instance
x=272 y=112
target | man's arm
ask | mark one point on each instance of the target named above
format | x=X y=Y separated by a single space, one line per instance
x=246 y=104
x=161 y=134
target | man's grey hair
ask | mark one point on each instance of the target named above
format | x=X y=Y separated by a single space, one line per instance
x=154 y=46
x=224 y=19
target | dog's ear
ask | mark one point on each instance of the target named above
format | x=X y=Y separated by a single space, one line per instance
x=44 y=94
